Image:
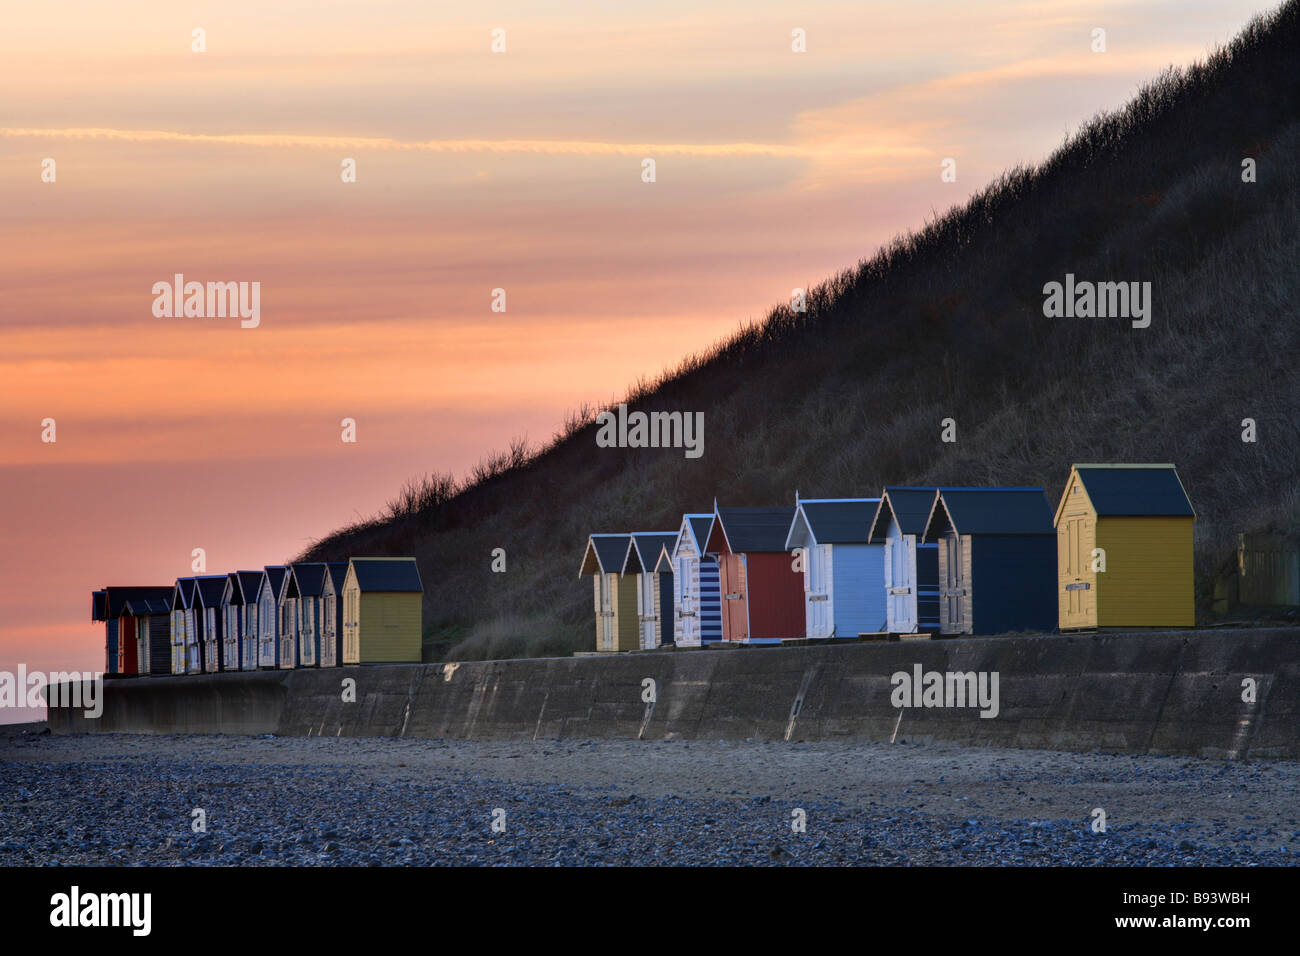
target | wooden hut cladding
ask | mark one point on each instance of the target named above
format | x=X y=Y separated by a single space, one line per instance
x=382 y=611
x=152 y=632
x=1124 y=548
x=182 y=625
x=697 y=597
x=210 y=590
x=654 y=586
x=997 y=560
x=268 y=616
x=842 y=572
x=762 y=594
x=331 y=639
x=614 y=593
x=911 y=567
x=306 y=581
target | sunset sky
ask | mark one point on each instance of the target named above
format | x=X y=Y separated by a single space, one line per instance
x=475 y=170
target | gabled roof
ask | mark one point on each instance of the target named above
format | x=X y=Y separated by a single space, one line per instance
x=1133 y=491
x=273 y=576
x=243 y=586
x=644 y=548
x=98 y=605
x=211 y=588
x=696 y=527
x=142 y=606
x=114 y=599
x=337 y=573
x=309 y=578
x=1006 y=511
x=832 y=520
x=909 y=506
x=605 y=554
x=387 y=574
x=183 y=594
x=664 y=563
x=749 y=530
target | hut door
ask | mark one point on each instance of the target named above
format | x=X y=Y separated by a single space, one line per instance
x=731 y=576
x=954 y=588
x=688 y=589
x=900 y=581
x=819 y=605
x=645 y=606
x=1078 y=600
x=606 y=612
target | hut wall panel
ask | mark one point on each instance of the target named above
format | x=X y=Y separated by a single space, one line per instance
x=665 y=605
x=390 y=630
x=160 y=647
x=1013 y=583
x=110 y=646
x=859 y=573
x=1148 y=580
x=709 y=602
x=927 y=586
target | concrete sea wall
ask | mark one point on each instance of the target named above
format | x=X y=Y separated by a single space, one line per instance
x=1171 y=692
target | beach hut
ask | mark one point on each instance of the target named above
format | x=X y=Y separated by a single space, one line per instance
x=617 y=628
x=152 y=632
x=383 y=601
x=654 y=586
x=331 y=643
x=697 y=600
x=843 y=573
x=210 y=589
x=997 y=560
x=232 y=623
x=306 y=581
x=286 y=603
x=182 y=624
x=911 y=568
x=268 y=616
x=1124 y=548
x=241 y=599
x=762 y=593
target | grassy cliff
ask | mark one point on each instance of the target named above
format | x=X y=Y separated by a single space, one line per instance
x=947 y=322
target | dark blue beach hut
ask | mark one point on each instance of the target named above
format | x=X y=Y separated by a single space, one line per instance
x=997 y=560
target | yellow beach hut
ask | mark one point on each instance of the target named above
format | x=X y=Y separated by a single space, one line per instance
x=383 y=602
x=1124 y=548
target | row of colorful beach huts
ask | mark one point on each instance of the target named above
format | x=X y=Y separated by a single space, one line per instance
x=1117 y=552
x=308 y=614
